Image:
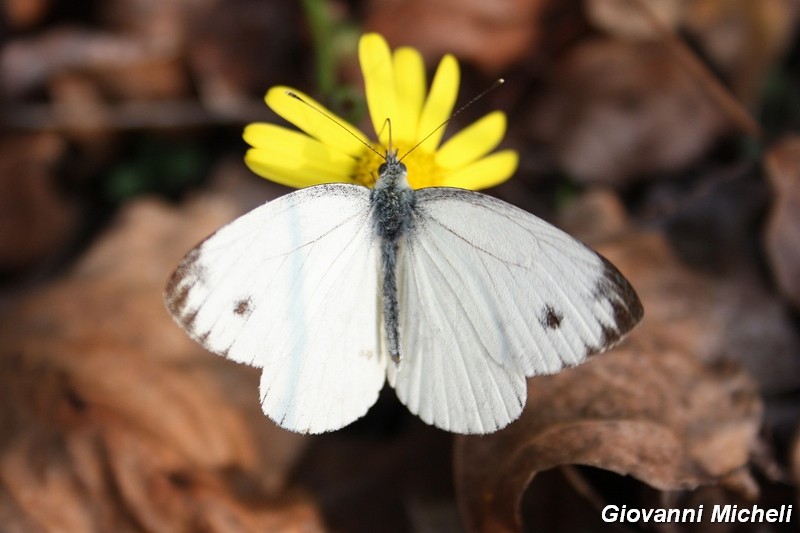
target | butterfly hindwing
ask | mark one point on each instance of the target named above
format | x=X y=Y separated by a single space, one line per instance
x=291 y=287
x=490 y=294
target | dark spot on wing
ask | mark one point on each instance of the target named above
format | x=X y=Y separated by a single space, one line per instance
x=243 y=307
x=551 y=318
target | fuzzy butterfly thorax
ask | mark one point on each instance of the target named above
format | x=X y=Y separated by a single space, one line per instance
x=393 y=199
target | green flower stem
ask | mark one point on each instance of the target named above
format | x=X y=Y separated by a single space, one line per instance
x=321 y=24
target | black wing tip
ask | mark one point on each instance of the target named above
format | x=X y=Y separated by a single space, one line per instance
x=179 y=284
x=627 y=308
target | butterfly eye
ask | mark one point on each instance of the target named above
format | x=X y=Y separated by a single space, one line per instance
x=382 y=169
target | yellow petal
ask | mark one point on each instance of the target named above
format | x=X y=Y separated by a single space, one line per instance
x=485 y=173
x=376 y=66
x=293 y=158
x=315 y=123
x=293 y=145
x=473 y=142
x=291 y=173
x=439 y=105
x=409 y=79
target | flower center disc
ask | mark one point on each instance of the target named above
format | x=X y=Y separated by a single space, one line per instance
x=422 y=168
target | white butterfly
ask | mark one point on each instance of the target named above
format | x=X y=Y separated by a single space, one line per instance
x=453 y=296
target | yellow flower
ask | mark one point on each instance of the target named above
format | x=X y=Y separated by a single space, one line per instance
x=395 y=89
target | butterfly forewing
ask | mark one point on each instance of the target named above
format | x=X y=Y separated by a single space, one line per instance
x=490 y=294
x=291 y=287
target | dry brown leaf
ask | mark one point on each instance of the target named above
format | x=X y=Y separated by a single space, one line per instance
x=239 y=48
x=492 y=35
x=663 y=407
x=657 y=21
x=113 y=420
x=616 y=110
x=145 y=64
x=655 y=414
x=728 y=314
x=24 y=14
x=681 y=306
x=722 y=313
x=782 y=238
x=597 y=215
x=29 y=63
x=711 y=317
x=743 y=39
x=722 y=306
x=30 y=199
x=630 y=19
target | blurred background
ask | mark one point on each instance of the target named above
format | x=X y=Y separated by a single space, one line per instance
x=662 y=132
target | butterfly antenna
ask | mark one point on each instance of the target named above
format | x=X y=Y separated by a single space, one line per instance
x=492 y=87
x=388 y=124
x=345 y=128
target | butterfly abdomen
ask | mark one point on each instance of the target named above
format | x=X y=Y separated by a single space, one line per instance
x=392 y=208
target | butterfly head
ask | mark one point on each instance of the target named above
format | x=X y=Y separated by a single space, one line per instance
x=392 y=172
